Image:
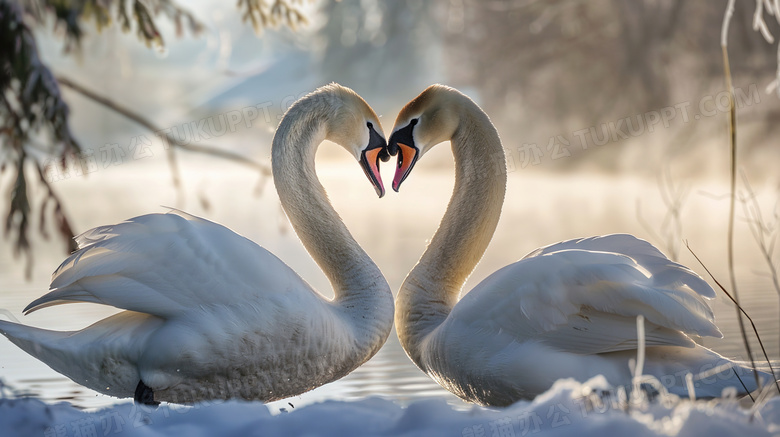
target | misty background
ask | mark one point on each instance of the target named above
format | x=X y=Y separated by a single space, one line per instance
x=612 y=113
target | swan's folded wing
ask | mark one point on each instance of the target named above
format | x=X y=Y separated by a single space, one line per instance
x=162 y=264
x=585 y=300
x=592 y=332
x=647 y=257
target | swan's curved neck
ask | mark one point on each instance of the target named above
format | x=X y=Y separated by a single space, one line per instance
x=354 y=276
x=431 y=289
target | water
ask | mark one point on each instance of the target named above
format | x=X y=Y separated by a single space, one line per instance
x=540 y=208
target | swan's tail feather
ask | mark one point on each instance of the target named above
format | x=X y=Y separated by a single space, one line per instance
x=45 y=345
x=102 y=359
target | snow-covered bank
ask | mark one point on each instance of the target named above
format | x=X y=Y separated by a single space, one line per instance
x=562 y=411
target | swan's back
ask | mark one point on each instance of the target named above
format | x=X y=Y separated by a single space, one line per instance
x=662 y=270
x=164 y=264
x=615 y=274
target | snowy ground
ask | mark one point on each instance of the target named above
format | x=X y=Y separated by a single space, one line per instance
x=565 y=410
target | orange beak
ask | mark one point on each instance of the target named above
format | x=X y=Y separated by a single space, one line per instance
x=402 y=143
x=407 y=157
x=369 y=161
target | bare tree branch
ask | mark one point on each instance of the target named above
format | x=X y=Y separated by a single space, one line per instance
x=31 y=105
x=199 y=148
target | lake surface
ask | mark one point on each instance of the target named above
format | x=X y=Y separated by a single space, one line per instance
x=540 y=209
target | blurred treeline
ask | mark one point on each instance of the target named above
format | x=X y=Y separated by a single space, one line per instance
x=603 y=59
x=563 y=65
x=547 y=68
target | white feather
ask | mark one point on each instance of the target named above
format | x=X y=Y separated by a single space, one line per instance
x=586 y=301
x=163 y=264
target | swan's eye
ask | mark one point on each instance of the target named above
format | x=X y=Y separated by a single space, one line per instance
x=413 y=122
x=370 y=125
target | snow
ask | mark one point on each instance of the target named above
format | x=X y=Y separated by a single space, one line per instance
x=567 y=409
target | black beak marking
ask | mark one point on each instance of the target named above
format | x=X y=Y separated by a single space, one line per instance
x=371 y=169
x=405 y=137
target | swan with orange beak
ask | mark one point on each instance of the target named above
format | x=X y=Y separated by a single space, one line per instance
x=566 y=310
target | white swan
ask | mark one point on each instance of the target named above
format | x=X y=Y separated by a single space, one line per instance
x=565 y=310
x=212 y=315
